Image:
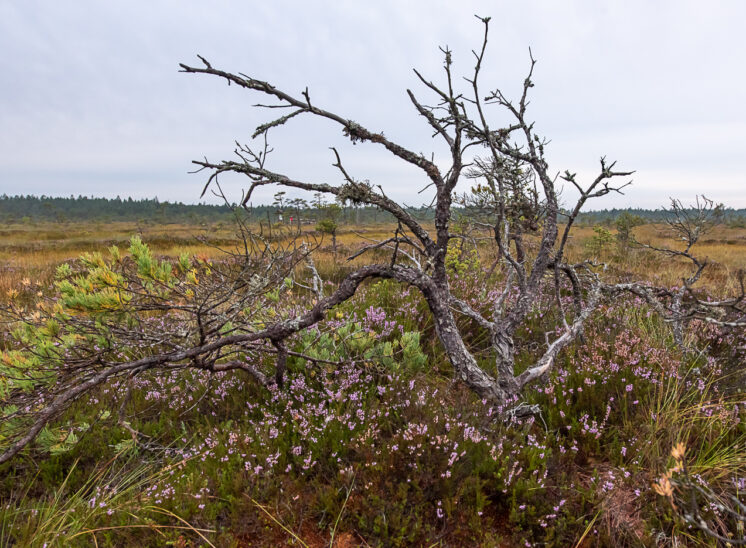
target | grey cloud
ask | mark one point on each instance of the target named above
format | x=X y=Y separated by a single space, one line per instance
x=90 y=96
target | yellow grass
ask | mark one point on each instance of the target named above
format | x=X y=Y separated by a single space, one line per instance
x=33 y=251
x=723 y=247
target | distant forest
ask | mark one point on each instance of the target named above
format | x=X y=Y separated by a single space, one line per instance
x=27 y=209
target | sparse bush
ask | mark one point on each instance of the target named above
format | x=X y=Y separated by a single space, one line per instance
x=624 y=223
x=600 y=241
x=329 y=222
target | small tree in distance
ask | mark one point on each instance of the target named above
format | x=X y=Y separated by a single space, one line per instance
x=102 y=321
x=329 y=222
x=624 y=223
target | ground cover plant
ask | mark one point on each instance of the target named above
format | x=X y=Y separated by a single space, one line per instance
x=479 y=381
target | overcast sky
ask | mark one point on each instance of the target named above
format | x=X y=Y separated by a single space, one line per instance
x=91 y=100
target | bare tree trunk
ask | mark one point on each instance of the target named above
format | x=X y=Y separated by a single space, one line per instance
x=504 y=347
x=463 y=362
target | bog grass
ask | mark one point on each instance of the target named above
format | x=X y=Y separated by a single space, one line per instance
x=34 y=250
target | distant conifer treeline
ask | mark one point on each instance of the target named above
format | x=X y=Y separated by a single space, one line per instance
x=608 y=216
x=85 y=208
x=17 y=209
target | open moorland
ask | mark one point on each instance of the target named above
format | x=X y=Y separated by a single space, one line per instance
x=34 y=251
x=370 y=440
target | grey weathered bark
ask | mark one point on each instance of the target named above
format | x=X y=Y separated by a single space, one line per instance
x=516 y=175
x=515 y=159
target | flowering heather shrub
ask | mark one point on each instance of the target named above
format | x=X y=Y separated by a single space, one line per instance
x=385 y=447
x=399 y=304
x=420 y=456
x=419 y=453
x=619 y=402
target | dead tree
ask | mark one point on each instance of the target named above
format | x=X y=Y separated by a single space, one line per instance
x=512 y=168
x=213 y=332
x=679 y=305
x=506 y=156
